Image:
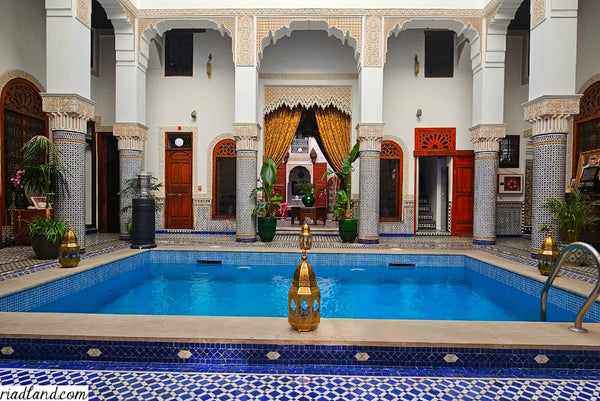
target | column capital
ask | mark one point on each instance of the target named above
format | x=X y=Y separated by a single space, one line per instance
x=370 y=136
x=246 y=136
x=487 y=137
x=130 y=135
x=68 y=111
x=550 y=114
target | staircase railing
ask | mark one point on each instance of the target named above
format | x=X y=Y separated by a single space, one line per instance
x=590 y=299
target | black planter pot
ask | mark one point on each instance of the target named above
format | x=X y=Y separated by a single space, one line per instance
x=43 y=248
x=308 y=200
x=266 y=228
x=348 y=229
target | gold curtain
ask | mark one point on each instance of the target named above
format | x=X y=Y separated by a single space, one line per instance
x=334 y=128
x=280 y=127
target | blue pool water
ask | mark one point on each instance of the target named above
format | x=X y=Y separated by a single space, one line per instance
x=401 y=291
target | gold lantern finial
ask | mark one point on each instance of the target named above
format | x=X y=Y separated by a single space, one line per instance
x=304 y=297
x=548 y=255
x=69 y=251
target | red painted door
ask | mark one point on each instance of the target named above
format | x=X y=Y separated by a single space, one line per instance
x=463 y=178
x=320 y=185
x=178 y=189
x=279 y=187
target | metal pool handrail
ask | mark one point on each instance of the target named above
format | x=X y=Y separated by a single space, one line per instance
x=590 y=299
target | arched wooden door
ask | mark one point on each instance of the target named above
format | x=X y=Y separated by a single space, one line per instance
x=390 y=182
x=21 y=118
x=178 y=181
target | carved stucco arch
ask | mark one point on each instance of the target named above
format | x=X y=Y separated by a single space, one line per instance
x=339 y=97
x=468 y=28
x=12 y=74
x=347 y=30
x=497 y=23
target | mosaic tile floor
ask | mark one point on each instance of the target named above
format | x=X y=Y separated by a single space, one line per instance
x=155 y=383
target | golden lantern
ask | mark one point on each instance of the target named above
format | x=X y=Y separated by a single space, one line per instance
x=304 y=297
x=548 y=255
x=69 y=250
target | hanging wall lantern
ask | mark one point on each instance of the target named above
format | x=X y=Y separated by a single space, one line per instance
x=548 y=255
x=68 y=253
x=304 y=297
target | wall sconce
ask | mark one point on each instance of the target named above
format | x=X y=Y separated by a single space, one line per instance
x=416 y=65
x=194 y=115
x=419 y=113
x=208 y=65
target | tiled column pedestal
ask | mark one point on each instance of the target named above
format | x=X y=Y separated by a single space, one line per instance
x=550 y=116
x=370 y=136
x=486 y=140
x=246 y=137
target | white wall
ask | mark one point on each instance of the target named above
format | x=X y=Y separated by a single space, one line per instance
x=588 y=49
x=23 y=33
x=103 y=86
x=445 y=102
x=170 y=101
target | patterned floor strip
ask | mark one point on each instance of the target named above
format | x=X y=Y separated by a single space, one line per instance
x=160 y=385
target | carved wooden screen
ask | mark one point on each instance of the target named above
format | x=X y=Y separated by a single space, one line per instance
x=587 y=123
x=390 y=179
x=224 y=179
x=22 y=118
x=435 y=139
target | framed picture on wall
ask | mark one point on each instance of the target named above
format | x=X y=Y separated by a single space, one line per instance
x=510 y=183
x=588 y=170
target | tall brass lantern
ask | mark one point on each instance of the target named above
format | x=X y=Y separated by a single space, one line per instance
x=548 y=255
x=304 y=297
x=69 y=250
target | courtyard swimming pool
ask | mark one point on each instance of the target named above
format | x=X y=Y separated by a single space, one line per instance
x=363 y=286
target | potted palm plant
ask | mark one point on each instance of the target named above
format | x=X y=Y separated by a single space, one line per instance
x=348 y=226
x=45 y=175
x=265 y=207
x=571 y=216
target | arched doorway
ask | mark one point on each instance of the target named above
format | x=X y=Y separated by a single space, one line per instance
x=390 y=182
x=21 y=118
x=224 y=179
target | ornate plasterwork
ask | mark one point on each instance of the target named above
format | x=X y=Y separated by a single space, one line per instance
x=130 y=135
x=370 y=136
x=246 y=136
x=67 y=112
x=339 y=97
x=84 y=12
x=538 y=12
x=244 y=37
x=490 y=16
x=373 y=37
x=551 y=114
x=348 y=25
x=487 y=137
x=12 y=74
x=307 y=76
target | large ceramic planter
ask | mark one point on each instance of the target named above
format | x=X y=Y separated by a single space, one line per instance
x=308 y=200
x=43 y=248
x=266 y=228
x=348 y=229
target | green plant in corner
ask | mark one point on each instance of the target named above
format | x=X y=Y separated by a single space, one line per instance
x=344 y=203
x=572 y=214
x=52 y=230
x=265 y=206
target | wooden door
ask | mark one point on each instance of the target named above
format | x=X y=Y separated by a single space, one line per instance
x=320 y=185
x=463 y=178
x=108 y=183
x=178 y=186
x=279 y=187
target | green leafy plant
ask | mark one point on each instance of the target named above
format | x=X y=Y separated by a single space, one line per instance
x=306 y=187
x=344 y=203
x=268 y=176
x=53 y=230
x=572 y=214
x=44 y=170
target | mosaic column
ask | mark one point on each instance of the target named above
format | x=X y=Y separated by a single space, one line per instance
x=550 y=116
x=486 y=139
x=131 y=140
x=370 y=136
x=246 y=146
x=68 y=116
